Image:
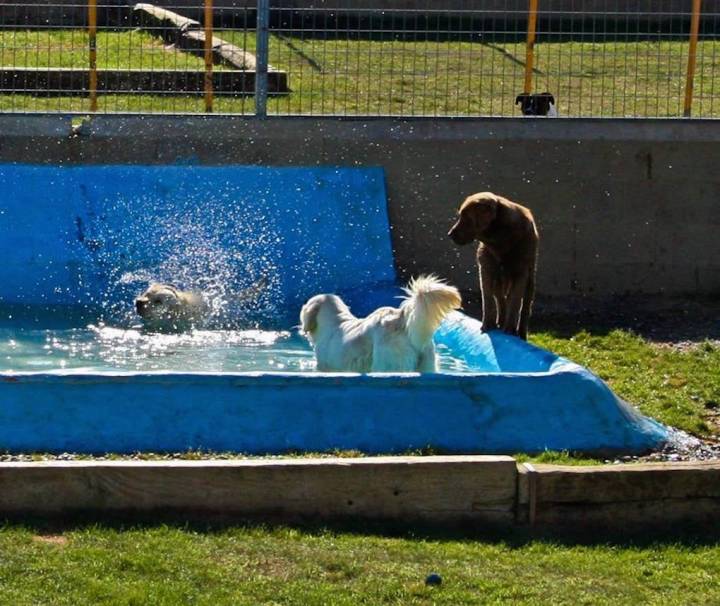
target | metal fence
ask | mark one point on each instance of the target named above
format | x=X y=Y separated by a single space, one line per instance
x=630 y=58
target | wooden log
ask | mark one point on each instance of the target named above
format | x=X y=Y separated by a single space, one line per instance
x=433 y=489
x=189 y=35
x=225 y=52
x=162 y=22
x=616 y=495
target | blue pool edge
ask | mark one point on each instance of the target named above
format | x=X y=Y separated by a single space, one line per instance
x=532 y=401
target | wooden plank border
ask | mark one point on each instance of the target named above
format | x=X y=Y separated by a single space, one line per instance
x=431 y=489
x=618 y=495
x=481 y=490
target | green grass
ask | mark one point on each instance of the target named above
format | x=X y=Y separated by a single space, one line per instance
x=553 y=457
x=679 y=388
x=132 y=49
x=174 y=566
x=425 y=77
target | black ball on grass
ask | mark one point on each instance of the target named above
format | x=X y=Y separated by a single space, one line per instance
x=433 y=579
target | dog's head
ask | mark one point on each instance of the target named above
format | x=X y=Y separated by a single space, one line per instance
x=535 y=105
x=476 y=214
x=160 y=303
x=319 y=311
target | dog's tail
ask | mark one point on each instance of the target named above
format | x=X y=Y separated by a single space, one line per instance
x=252 y=292
x=428 y=301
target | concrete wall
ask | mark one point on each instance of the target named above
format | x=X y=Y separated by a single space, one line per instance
x=623 y=206
x=66 y=12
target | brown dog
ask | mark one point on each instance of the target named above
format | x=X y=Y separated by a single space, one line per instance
x=506 y=256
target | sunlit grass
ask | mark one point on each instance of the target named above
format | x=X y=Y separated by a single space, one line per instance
x=131 y=49
x=678 y=388
x=422 y=77
x=250 y=566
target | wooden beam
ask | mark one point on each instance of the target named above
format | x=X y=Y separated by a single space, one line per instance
x=162 y=22
x=92 y=58
x=692 y=57
x=530 y=44
x=189 y=35
x=224 y=52
x=432 y=489
x=613 y=495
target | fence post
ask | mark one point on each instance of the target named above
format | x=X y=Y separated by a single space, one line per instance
x=92 y=44
x=261 y=52
x=692 y=55
x=530 y=44
x=208 y=56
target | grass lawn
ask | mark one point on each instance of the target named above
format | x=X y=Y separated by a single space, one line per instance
x=677 y=387
x=394 y=77
x=252 y=565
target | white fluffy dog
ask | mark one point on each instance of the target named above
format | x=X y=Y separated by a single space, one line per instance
x=388 y=340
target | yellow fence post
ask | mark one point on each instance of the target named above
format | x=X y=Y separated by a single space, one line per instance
x=530 y=46
x=92 y=42
x=208 y=56
x=692 y=56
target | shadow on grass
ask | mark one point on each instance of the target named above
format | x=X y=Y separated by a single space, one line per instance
x=641 y=536
x=655 y=318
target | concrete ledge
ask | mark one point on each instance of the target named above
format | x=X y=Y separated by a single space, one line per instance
x=65 y=81
x=430 y=489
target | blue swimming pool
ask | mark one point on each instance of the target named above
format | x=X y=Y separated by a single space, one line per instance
x=48 y=345
x=77 y=374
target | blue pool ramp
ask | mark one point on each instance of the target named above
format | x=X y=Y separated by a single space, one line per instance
x=91 y=236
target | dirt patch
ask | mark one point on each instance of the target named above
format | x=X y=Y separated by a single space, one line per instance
x=51 y=539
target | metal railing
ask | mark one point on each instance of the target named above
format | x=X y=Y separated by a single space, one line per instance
x=449 y=57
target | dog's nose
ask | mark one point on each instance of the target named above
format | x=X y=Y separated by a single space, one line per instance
x=141 y=306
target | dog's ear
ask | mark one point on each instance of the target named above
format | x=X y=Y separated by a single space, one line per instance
x=519 y=98
x=482 y=212
x=549 y=96
x=308 y=315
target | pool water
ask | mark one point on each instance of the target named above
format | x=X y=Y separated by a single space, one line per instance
x=99 y=348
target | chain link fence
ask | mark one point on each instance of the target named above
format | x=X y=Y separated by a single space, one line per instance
x=615 y=58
